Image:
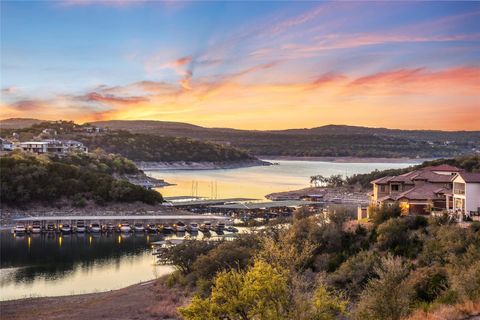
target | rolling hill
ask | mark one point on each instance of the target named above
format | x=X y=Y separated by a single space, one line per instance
x=328 y=141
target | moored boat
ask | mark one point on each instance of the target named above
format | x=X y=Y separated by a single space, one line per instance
x=110 y=227
x=20 y=229
x=81 y=226
x=167 y=228
x=231 y=229
x=220 y=227
x=138 y=227
x=125 y=227
x=51 y=227
x=151 y=228
x=95 y=227
x=179 y=226
x=36 y=227
x=65 y=228
x=192 y=227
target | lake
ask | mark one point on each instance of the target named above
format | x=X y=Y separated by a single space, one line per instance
x=256 y=182
x=42 y=265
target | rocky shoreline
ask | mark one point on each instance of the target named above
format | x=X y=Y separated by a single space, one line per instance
x=329 y=195
x=185 y=165
x=413 y=161
x=144 y=180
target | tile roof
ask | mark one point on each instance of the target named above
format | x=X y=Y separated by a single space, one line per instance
x=424 y=192
x=469 y=177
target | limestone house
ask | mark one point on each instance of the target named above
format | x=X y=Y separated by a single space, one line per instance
x=418 y=192
x=464 y=198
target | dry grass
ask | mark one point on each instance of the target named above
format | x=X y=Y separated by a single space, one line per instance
x=167 y=301
x=465 y=310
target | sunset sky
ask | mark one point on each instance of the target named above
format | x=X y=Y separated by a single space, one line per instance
x=249 y=65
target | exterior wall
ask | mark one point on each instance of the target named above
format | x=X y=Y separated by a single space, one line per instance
x=377 y=193
x=472 y=197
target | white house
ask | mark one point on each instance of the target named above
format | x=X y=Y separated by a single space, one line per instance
x=53 y=146
x=34 y=146
x=466 y=193
x=6 y=145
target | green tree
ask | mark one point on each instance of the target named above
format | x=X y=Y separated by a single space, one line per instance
x=388 y=296
x=258 y=293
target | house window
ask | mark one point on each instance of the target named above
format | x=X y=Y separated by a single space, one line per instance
x=395 y=187
x=458 y=188
x=382 y=188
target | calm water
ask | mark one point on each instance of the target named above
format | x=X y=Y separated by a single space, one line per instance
x=52 y=265
x=256 y=182
x=41 y=265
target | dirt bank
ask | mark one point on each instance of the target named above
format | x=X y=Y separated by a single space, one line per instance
x=149 y=300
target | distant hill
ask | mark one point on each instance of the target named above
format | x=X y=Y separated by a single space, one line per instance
x=18 y=123
x=330 y=140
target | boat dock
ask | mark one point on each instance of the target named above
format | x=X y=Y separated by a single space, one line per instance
x=197 y=218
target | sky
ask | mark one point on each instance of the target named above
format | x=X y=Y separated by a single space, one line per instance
x=248 y=65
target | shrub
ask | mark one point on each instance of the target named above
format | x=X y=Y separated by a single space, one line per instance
x=388 y=296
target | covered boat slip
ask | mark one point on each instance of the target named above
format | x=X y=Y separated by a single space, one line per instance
x=199 y=218
x=264 y=209
x=267 y=205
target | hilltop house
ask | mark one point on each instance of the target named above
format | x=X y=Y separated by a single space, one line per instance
x=5 y=145
x=465 y=195
x=52 y=146
x=417 y=192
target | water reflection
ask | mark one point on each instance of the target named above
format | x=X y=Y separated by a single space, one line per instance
x=256 y=182
x=54 y=264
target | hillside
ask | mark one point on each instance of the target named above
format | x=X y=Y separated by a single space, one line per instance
x=18 y=123
x=327 y=141
x=70 y=180
x=146 y=147
x=330 y=140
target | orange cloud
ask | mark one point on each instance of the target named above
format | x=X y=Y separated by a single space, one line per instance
x=108 y=98
x=416 y=98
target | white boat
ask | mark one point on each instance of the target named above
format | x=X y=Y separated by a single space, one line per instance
x=65 y=228
x=20 y=229
x=192 y=227
x=125 y=227
x=138 y=227
x=95 y=228
x=180 y=226
x=81 y=226
x=36 y=227
x=167 y=228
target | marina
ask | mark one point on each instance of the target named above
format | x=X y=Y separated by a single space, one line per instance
x=94 y=256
